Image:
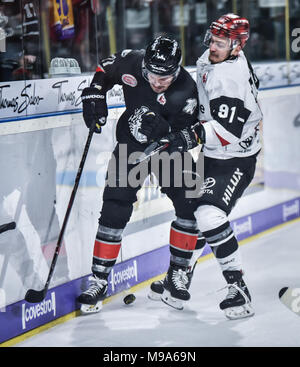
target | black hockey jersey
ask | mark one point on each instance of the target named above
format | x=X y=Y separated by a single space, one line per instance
x=178 y=104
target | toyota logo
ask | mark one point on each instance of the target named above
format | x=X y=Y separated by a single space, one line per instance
x=208 y=183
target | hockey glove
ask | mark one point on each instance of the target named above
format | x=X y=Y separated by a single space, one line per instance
x=182 y=141
x=154 y=126
x=94 y=107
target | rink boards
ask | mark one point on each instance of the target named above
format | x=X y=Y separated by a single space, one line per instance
x=42 y=136
x=21 y=317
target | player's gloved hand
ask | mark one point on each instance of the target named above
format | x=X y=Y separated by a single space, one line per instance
x=94 y=107
x=182 y=141
x=154 y=126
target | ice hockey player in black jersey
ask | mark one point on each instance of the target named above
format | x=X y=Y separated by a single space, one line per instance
x=230 y=117
x=161 y=100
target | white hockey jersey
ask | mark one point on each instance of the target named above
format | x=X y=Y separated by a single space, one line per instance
x=228 y=108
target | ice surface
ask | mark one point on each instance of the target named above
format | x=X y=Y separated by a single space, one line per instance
x=270 y=263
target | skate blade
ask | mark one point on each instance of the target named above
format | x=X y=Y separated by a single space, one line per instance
x=88 y=309
x=171 y=301
x=154 y=296
x=239 y=312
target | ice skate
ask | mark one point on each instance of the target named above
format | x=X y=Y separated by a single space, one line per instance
x=91 y=299
x=237 y=304
x=175 y=292
x=157 y=288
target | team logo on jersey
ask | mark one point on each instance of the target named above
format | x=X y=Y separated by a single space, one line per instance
x=161 y=99
x=135 y=123
x=204 y=78
x=208 y=183
x=129 y=80
x=245 y=144
x=190 y=106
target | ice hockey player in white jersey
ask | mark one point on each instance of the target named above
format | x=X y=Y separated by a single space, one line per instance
x=229 y=134
x=227 y=90
x=230 y=117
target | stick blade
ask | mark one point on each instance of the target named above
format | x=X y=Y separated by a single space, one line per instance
x=33 y=296
x=7 y=226
x=290 y=297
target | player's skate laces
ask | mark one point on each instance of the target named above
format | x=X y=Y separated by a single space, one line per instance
x=175 y=291
x=237 y=303
x=157 y=287
x=179 y=280
x=91 y=299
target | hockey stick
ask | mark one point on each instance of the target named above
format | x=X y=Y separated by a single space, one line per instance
x=153 y=148
x=290 y=297
x=34 y=296
x=7 y=226
x=4 y=228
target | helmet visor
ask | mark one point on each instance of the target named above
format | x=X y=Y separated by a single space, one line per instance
x=149 y=75
x=163 y=80
x=222 y=43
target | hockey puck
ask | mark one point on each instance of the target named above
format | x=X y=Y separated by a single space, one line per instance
x=130 y=298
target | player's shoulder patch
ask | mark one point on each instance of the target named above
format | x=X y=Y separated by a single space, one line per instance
x=190 y=106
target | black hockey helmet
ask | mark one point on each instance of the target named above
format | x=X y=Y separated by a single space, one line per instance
x=162 y=57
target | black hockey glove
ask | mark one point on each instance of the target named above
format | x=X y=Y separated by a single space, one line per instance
x=154 y=126
x=94 y=107
x=182 y=141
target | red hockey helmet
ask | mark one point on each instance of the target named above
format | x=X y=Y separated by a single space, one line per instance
x=231 y=26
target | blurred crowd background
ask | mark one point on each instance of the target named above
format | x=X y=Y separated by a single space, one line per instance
x=34 y=32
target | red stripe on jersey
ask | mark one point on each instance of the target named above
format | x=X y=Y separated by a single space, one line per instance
x=183 y=240
x=105 y=250
x=223 y=141
x=100 y=69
